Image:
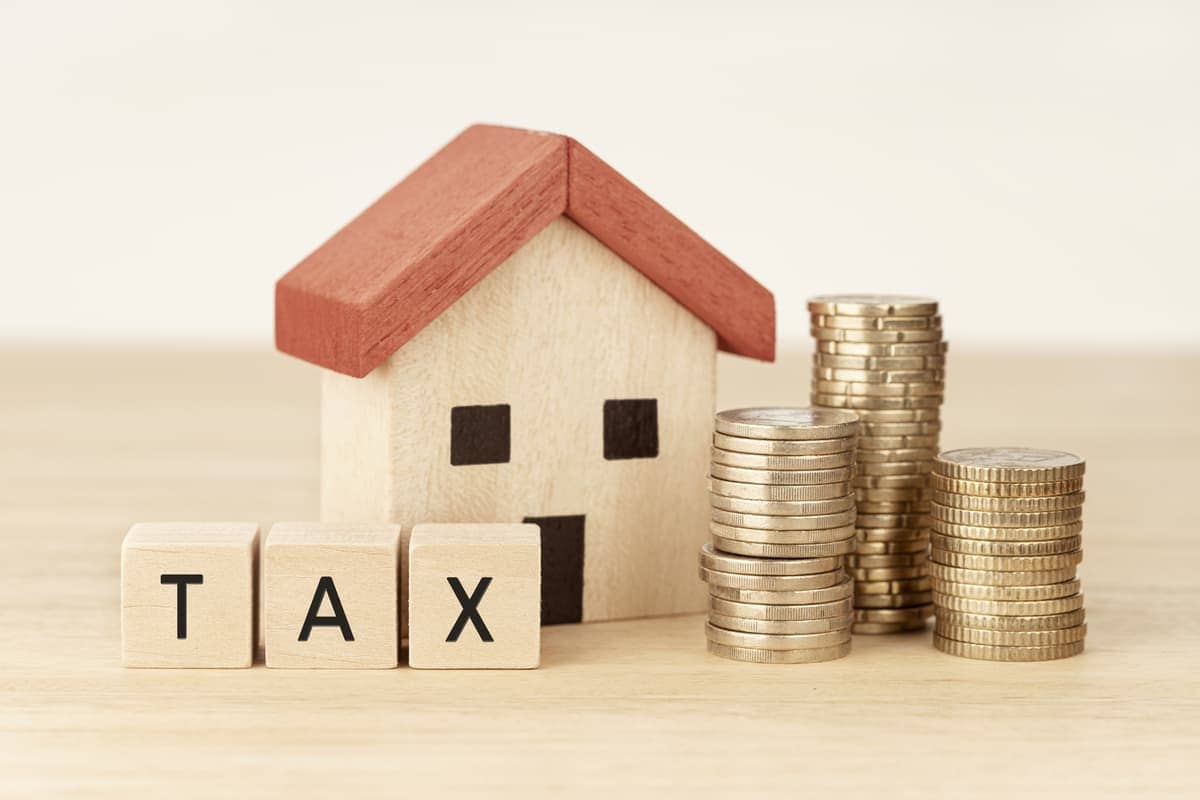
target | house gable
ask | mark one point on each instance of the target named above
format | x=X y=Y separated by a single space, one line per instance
x=390 y=272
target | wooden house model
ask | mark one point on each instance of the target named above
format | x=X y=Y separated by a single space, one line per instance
x=516 y=332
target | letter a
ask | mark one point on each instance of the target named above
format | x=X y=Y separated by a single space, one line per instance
x=325 y=588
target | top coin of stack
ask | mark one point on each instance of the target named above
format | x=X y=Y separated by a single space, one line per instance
x=782 y=522
x=883 y=356
x=1006 y=542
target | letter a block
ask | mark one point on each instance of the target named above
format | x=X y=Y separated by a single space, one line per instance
x=187 y=594
x=474 y=596
x=332 y=596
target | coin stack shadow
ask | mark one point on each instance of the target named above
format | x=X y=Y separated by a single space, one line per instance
x=782 y=524
x=883 y=357
x=1006 y=544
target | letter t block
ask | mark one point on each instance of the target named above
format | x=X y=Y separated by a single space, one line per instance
x=188 y=594
x=474 y=596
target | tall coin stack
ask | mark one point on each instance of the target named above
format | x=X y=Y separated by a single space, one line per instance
x=782 y=524
x=1007 y=540
x=883 y=357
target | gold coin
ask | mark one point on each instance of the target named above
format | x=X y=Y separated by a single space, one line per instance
x=994 y=489
x=793 y=477
x=871 y=628
x=905 y=586
x=895 y=416
x=1009 y=504
x=765 y=536
x=887 y=573
x=1005 y=519
x=810 y=656
x=891 y=481
x=953 y=544
x=859 y=402
x=913 y=546
x=892 y=534
x=836 y=361
x=873 y=305
x=984 y=577
x=770 y=626
x=786 y=423
x=771 y=583
x=882 y=348
x=1011 y=638
x=1010 y=608
x=870 y=429
x=766 y=550
x=808 y=522
x=1009 y=464
x=932 y=322
x=1048 y=591
x=759 y=461
x=711 y=558
x=782 y=507
x=996 y=653
x=919 y=508
x=891 y=495
x=1008 y=563
x=823 y=386
x=783 y=447
x=875 y=469
x=764 y=491
x=892 y=521
x=893 y=600
x=927 y=443
x=1046 y=622
x=868 y=560
x=798 y=598
x=775 y=641
x=894 y=615
x=766 y=611
x=874 y=337
x=1038 y=534
x=879 y=377
x=922 y=454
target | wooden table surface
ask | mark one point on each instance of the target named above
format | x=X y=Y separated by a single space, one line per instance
x=92 y=440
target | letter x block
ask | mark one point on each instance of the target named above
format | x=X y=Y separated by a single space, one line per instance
x=332 y=596
x=187 y=594
x=474 y=596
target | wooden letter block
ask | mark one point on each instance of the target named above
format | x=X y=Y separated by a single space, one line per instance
x=188 y=594
x=332 y=596
x=474 y=599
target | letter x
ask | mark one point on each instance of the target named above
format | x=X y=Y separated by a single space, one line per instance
x=470 y=609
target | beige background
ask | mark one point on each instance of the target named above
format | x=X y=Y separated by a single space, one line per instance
x=173 y=159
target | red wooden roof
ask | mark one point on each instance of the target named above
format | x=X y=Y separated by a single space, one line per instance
x=437 y=233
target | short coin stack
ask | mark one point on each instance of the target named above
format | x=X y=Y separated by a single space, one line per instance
x=1007 y=527
x=782 y=524
x=883 y=357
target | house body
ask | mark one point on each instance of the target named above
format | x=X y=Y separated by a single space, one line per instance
x=515 y=332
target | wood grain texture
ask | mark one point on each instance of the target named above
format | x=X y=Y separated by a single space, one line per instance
x=504 y=632
x=347 y=574
x=386 y=275
x=417 y=249
x=94 y=439
x=559 y=329
x=210 y=566
x=672 y=255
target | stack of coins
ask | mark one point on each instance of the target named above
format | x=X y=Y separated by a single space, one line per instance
x=883 y=357
x=1007 y=527
x=782 y=524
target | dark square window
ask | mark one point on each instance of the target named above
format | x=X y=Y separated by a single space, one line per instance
x=480 y=434
x=630 y=429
